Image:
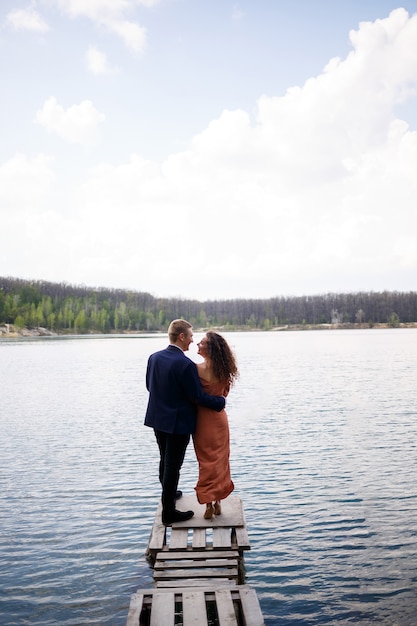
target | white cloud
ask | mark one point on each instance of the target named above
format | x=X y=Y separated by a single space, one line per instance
x=133 y=35
x=98 y=10
x=319 y=193
x=24 y=184
x=314 y=187
x=111 y=14
x=31 y=230
x=27 y=19
x=77 y=124
x=97 y=61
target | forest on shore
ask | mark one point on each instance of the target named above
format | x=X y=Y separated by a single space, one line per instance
x=62 y=308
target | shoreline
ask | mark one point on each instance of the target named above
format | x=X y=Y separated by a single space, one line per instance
x=9 y=331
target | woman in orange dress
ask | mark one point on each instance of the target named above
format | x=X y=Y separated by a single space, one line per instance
x=211 y=439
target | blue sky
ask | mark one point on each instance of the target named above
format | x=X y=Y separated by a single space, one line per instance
x=210 y=150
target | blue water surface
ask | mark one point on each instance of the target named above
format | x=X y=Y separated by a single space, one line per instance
x=323 y=454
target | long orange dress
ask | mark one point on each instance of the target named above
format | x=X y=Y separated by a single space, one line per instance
x=212 y=447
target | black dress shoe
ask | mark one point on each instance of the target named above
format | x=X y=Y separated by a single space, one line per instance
x=177 y=516
x=178 y=494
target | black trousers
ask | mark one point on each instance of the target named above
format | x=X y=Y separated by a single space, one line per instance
x=172 y=452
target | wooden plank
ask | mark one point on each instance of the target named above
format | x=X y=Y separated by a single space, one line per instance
x=209 y=590
x=222 y=538
x=163 y=610
x=234 y=519
x=197 y=555
x=203 y=583
x=179 y=539
x=211 y=572
x=242 y=538
x=236 y=505
x=199 y=538
x=250 y=607
x=188 y=563
x=135 y=608
x=231 y=515
x=157 y=538
x=225 y=608
x=194 y=608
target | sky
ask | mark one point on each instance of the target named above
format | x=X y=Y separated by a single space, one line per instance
x=210 y=150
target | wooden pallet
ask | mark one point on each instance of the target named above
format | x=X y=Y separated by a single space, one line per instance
x=196 y=568
x=224 y=606
x=198 y=572
x=225 y=532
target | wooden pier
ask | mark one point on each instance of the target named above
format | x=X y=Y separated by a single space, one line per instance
x=198 y=571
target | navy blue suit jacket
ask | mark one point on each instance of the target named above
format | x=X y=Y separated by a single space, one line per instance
x=174 y=392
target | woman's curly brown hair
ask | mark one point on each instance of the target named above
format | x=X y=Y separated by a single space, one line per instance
x=222 y=358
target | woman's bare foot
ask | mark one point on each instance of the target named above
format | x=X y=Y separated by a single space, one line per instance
x=217 y=508
x=209 y=511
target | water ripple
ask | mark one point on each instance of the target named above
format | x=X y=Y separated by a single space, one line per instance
x=323 y=454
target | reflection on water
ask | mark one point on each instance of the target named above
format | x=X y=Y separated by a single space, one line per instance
x=323 y=435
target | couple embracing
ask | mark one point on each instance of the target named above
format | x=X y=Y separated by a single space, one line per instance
x=187 y=399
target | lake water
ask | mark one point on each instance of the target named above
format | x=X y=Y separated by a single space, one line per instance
x=323 y=453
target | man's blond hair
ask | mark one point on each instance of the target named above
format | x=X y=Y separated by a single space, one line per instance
x=177 y=327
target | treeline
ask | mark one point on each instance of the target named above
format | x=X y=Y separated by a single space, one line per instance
x=61 y=307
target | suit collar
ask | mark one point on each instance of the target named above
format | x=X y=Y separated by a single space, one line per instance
x=174 y=347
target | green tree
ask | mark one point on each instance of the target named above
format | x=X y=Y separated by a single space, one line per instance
x=150 y=321
x=51 y=321
x=47 y=307
x=104 y=321
x=68 y=316
x=19 y=322
x=394 y=320
x=81 y=322
x=121 y=319
x=59 y=323
x=2 y=298
x=31 y=316
x=40 y=320
x=28 y=294
x=10 y=308
x=161 y=319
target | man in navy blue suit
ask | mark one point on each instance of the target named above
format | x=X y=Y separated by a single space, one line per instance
x=174 y=392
